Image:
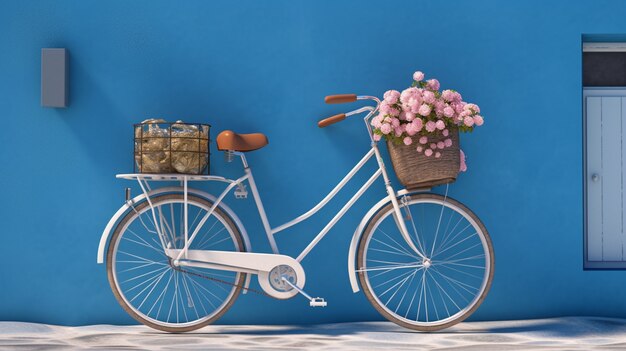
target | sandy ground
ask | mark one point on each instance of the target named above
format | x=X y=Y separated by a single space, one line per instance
x=571 y=333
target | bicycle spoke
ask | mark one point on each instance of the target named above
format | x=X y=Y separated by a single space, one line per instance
x=460 y=284
x=443 y=204
x=399 y=247
x=458 y=243
x=162 y=295
x=190 y=302
x=466 y=249
x=482 y=255
x=444 y=291
x=151 y=290
x=390 y=252
x=217 y=242
x=447 y=235
x=405 y=291
x=389 y=268
x=445 y=248
x=405 y=276
x=400 y=287
x=433 y=300
x=413 y=298
x=146 y=245
x=153 y=283
x=417 y=236
x=462 y=272
x=208 y=231
x=143 y=275
x=402 y=275
x=142 y=266
x=137 y=257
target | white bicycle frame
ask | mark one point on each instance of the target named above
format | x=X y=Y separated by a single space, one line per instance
x=183 y=254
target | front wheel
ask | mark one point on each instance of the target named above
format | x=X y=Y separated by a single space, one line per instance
x=432 y=292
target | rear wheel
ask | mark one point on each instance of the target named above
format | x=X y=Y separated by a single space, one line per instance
x=146 y=283
x=439 y=290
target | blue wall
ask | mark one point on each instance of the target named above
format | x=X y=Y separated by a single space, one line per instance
x=265 y=66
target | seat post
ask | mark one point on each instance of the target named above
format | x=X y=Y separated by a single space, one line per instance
x=243 y=158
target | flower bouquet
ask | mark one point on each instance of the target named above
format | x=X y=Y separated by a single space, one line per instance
x=421 y=127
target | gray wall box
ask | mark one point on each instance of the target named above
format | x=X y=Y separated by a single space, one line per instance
x=54 y=77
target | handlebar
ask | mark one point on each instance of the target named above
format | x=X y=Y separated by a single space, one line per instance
x=331 y=120
x=344 y=98
x=340 y=98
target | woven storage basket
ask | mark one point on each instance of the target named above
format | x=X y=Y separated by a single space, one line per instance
x=415 y=170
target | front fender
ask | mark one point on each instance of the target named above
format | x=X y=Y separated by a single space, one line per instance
x=104 y=239
x=356 y=237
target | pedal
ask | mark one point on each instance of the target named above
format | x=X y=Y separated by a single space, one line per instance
x=313 y=301
x=317 y=302
x=241 y=192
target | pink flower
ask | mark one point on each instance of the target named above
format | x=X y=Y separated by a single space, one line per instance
x=458 y=108
x=384 y=108
x=441 y=145
x=408 y=94
x=394 y=112
x=409 y=116
x=463 y=166
x=433 y=146
x=437 y=154
x=385 y=128
x=469 y=121
x=413 y=105
x=418 y=76
x=428 y=152
x=440 y=125
x=423 y=140
x=376 y=137
x=424 y=110
x=472 y=107
x=408 y=141
x=447 y=95
x=429 y=97
x=448 y=142
x=395 y=122
x=419 y=149
x=391 y=96
x=445 y=132
x=448 y=111
x=418 y=123
x=431 y=126
x=478 y=119
x=377 y=121
x=432 y=84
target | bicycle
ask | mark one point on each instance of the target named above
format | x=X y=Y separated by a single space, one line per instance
x=178 y=257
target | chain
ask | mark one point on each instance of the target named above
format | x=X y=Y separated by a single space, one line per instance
x=221 y=281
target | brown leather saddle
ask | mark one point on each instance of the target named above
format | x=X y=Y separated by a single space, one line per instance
x=229 y=140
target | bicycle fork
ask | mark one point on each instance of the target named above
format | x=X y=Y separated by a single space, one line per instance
x=397 y=214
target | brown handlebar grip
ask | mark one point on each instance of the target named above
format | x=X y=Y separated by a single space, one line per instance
x=330 y=120
x=340 y=98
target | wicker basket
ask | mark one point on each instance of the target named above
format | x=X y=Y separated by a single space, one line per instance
x=415 y=170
